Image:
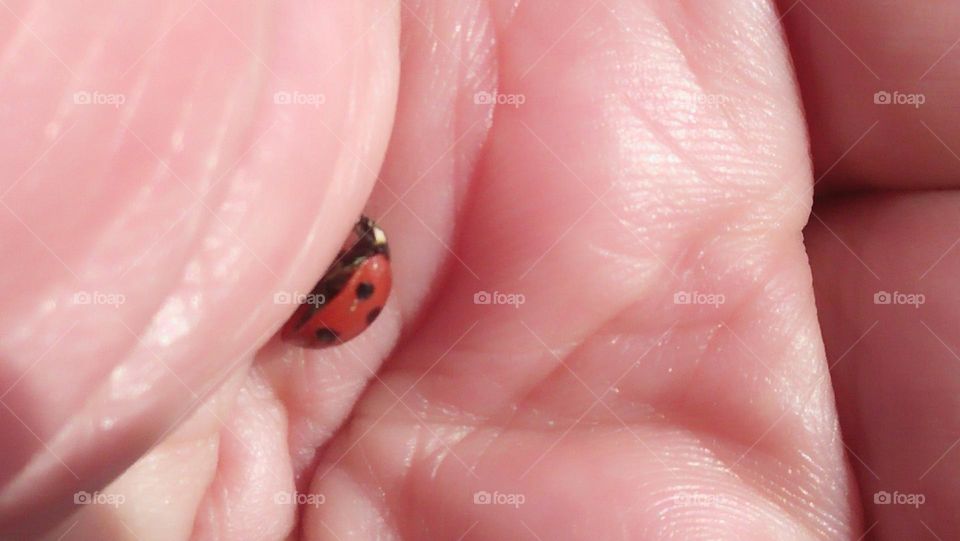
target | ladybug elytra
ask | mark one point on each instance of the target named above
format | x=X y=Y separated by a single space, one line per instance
x=349 y=296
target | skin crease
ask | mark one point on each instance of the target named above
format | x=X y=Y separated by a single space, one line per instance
x=660 y=149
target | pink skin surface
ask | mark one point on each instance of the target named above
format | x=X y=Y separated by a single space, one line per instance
x=653 y=362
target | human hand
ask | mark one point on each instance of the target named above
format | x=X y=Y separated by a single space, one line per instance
x=631 y=179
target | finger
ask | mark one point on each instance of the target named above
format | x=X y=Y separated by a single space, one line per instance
x=189 y=205
x=158 y=497
x=884 y=270
x=649 y=158
x=436 y=142
x=878 y=90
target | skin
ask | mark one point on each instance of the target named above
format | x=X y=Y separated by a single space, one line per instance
x=661 y=149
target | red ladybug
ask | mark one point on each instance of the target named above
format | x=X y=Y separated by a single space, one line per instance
x=350 y=295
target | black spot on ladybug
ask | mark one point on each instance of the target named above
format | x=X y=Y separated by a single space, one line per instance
x=326 y=335
x=372 y=314
x=364 y=290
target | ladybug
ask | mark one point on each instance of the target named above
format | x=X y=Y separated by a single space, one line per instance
x=349 y=296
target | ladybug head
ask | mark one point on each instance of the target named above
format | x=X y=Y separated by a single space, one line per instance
x=370 y=238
